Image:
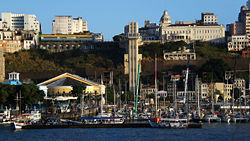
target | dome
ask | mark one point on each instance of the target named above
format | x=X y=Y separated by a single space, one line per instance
x=165 y=18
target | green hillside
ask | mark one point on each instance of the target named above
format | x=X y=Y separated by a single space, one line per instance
x=40 y=65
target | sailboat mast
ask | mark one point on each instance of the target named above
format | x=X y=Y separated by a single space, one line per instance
x=20 y=104
x=198 y=94
x=137 y=86
x=114 y=98
x=156 y=87
x=186 y=81
x=101 y=101
x=17 y=106
x=212 y=97
x=82 y=105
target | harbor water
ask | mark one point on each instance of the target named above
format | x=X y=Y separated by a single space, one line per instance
x=209 y=132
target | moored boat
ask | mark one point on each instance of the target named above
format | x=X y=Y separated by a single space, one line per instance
x=239 y=118
x=212 y=118
x=175 y=123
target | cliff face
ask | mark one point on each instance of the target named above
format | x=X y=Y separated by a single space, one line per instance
x=2 y=65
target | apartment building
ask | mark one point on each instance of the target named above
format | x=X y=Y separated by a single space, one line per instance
x=69 y=25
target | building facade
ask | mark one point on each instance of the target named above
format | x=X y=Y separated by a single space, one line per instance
x=13 y=41
x=188 y=32
x=209 y=19
x=150 y=31
x=11 y=46
x=240 y=84
x=20 y=21
x=60 y=87
x=237 y=42
x=69 y=25
x=179 y=55
x=58 y=45
x=204 y=91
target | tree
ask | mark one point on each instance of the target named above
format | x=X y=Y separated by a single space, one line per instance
x=31 y=94
x=237 y=93
x=3 y=94
x=117 y=38
x=78 y=90
x=214 y=69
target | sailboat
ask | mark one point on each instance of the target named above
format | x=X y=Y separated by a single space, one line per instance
x=159 y=122
x=101 y=118
x=24 y=119
x=212 y=117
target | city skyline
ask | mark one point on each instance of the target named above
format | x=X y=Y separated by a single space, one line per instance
x=109 y=17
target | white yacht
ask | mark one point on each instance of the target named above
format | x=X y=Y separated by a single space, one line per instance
x=212 y=118
x=239 y=118
x=170 y=123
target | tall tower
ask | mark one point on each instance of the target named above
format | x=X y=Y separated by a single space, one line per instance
x=132 y=35
x=2 y=65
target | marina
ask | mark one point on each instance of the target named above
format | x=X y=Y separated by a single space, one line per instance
x=208 y=132
x=155 y=79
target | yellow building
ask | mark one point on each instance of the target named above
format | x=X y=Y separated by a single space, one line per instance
x=62 y=85
x=221 y=89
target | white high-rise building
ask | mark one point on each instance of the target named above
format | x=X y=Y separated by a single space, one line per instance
x=67 y=25
x=248 y=4
x=19 y=21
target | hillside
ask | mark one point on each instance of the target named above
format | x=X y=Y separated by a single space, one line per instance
x=40 y=65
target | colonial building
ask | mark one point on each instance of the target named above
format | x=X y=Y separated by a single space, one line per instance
x=19 y=21
x=208 y=30
x=69 y=25
x=179 y=55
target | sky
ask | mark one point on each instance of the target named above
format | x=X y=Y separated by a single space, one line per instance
x=110 y=16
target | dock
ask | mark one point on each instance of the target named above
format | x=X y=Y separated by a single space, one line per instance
x=125 y=125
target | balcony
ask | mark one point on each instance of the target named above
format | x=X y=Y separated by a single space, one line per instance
x=133 y=35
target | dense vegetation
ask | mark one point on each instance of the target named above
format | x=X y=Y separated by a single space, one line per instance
x=30 y=94
x=213 y=59
x=206 y=49
x=156 y=48
x=75 y=61
x=203 y=49
x=213 y=70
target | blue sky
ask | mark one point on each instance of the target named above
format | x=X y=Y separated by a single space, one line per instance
x=110 y=16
